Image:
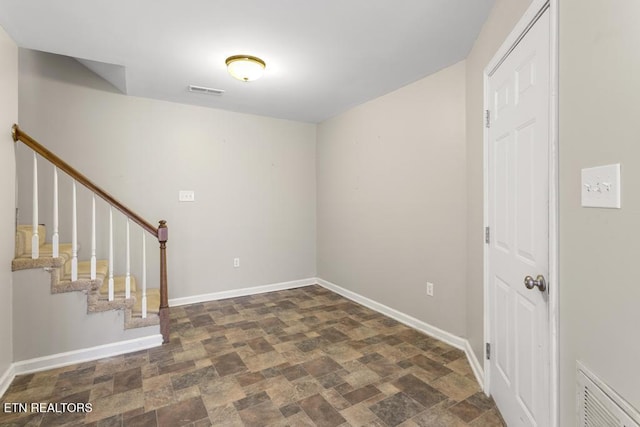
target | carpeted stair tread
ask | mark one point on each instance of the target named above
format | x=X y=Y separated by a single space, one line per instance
x=153 y=303
x=45 y=259
x=23 y=238
x=46 y=251
x=84 y=270
x=133 y=318
x=85 y=267
x=118 y=287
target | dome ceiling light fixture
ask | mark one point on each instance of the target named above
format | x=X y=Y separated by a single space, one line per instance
x=245 y=67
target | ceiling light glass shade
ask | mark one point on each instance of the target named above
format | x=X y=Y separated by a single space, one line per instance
x=245 y=67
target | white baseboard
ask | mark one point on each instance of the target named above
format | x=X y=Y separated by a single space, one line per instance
x=76 y=356
x=214 y=296
x=428 y=329
x=476 y=366
x=451 y=339
x=6 y=378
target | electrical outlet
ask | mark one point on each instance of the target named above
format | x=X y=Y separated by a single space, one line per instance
x=236 y=262
x=429 y=289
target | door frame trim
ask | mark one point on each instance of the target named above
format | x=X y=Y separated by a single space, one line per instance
x=524 y=24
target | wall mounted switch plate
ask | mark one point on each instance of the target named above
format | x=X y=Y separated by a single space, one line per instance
x=186 y=196
x=601 y=187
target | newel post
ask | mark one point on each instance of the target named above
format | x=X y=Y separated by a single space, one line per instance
x=163 y=236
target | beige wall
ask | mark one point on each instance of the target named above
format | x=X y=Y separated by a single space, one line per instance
x=8 y=116
x=599 y=248
x=254 y=177
x=392 y=199
x=503 y=17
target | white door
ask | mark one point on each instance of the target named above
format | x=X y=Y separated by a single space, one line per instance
x=518 y=179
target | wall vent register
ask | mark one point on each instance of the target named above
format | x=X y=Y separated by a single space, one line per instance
x=600 y=406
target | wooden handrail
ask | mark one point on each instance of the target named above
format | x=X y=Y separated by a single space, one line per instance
x=161 y=232
x=19 y=135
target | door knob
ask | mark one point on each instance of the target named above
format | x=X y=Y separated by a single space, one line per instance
x=539 y=281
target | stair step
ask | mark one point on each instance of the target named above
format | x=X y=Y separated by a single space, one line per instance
x=84 y=270
x=46 y=260
x=153 y=303
x=118 y=287
x=46 y=250
x=24 y=233
x=84 y=266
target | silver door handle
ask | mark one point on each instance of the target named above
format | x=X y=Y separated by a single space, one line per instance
x=530 y=283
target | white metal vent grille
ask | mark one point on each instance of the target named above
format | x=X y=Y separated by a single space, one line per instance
x=205 y=90
x=600 y=406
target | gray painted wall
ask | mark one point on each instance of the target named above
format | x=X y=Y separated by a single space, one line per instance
x=599 y=248
x=504 y=15
x=254 y=177
x=392 y=199
x=8 y=116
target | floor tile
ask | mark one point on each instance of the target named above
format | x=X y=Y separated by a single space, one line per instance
x=466 y=411
x=260 y=415
x=148 y=419
x=321 y=412
x=229 y=364
x=396 y=409
x=321 y=366
x=182 y=413
x=456 y=386
x=252 y=400
x=419 y=391
x=438 y=416
x=363 y=393
x=290 y=409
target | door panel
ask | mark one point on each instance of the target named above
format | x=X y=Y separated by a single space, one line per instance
x=501 y=195
x=525 y=343
x=518 y=216
x=503 y=335
x=525 y=181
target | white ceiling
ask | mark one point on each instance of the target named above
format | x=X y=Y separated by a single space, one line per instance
x=322 y=56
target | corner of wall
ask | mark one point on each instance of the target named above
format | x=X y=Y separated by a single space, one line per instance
x=8 y=116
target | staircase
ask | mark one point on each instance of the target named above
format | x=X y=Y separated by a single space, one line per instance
x=97 y=290
x=105 y=291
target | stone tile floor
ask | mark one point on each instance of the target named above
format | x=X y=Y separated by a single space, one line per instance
x=300 y=357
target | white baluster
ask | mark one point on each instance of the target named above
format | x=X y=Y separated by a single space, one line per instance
x=55 y=239
x=127 y=279
x=74 y=235
x=93 y=238
x=144 y=276
x=35 y=239
x=111 y=254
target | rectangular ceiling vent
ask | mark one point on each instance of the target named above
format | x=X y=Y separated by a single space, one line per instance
x=600 y=406
x=205 y=90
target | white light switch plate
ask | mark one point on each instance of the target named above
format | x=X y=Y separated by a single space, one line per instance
x=601 y=187
x=186 y=196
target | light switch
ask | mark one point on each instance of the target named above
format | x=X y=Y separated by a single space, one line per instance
x=601 y=187
x=186 y=196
